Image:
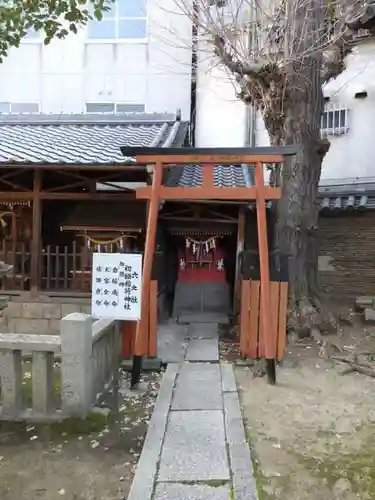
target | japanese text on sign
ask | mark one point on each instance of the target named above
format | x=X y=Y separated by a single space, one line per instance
x=116 y=286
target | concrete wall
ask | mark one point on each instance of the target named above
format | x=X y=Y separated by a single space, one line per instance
x=42 y=316
x=63 y=76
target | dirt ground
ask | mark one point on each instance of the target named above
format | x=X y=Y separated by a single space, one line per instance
x=78 y=460
x=313 y=435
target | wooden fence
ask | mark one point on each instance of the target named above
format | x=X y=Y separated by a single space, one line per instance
x=61 y=268
x=252 y=336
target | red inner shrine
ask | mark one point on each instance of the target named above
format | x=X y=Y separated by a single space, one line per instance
x=201 y=259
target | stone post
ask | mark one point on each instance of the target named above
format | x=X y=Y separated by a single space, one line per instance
x=76 y=364
x=5 y=269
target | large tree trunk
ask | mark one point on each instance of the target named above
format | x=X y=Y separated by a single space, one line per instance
x=297 y=211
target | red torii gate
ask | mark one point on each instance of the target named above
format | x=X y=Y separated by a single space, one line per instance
x=160 y=158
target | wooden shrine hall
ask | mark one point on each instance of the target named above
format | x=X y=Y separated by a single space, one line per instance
x=262 y=334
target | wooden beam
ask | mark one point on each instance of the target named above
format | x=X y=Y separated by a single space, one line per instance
x=141 y=332
x=36 y=234
x=208 y=176
x=194 y=219
x=181 y=159
x=265 y=288
x=97 y=196
x=213 y=193
x=240 y=248
x=103 y=167
x=44 y=195
x=16 y=195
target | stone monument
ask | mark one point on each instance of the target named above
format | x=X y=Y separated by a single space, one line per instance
x=5 y=269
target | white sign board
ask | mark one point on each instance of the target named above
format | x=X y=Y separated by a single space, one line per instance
x=116 y=285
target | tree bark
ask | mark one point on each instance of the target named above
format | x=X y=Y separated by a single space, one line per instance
x=297 y=211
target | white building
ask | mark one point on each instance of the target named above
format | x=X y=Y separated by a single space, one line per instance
x=139 y=59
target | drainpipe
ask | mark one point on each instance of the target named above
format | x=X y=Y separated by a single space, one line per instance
x=250 y=111
x=194 y=71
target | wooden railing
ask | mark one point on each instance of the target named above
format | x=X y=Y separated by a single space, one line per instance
x=60 y=376
x=62 y=268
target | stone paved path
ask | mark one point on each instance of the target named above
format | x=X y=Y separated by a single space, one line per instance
x=196 y=447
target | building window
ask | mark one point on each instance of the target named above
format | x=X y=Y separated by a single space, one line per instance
x=334 y=121
x=19 y=107
x=110 y=107
x=125 y=21
x=32 y=35
x=130 y=108
x=100 y=107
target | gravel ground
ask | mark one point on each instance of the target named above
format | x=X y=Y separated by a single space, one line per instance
x=312 y=435
x=78 y=460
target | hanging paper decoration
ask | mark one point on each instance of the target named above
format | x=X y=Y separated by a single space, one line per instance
x=220 y=264
x=182 y=264
x=198 y=246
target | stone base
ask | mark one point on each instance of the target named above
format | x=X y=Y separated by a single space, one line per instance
x=23 y=315
x=148 y=364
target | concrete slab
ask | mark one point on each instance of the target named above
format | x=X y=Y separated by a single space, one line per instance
x=194 y=447
x=228 y=382
x=244 y=486
x=144 y=479
x=204 y=318
x=202 y=331
x=204 y=350
x=172 y=342
x=176 y=491
x=198 y=388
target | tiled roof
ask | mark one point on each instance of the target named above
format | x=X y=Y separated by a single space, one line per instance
x=347 y=195
x=346 y=202
x=224 y=176
x=87 y=139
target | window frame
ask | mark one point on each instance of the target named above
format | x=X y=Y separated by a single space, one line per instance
x=117 y=18
x=114 y=104
x=341 y=129
x=100 y=112
x=12 y=103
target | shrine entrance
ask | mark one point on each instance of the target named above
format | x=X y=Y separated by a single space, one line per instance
x=206 y=161
x=202 y=279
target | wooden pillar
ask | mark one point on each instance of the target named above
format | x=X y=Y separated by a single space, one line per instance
x=265 y=289
x=36 y=234
x=152 y=219
x=240 y=248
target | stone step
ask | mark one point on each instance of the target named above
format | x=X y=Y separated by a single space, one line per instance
x=203 y=350
x=364 y=302
x=194 y=448
x=369 y=315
